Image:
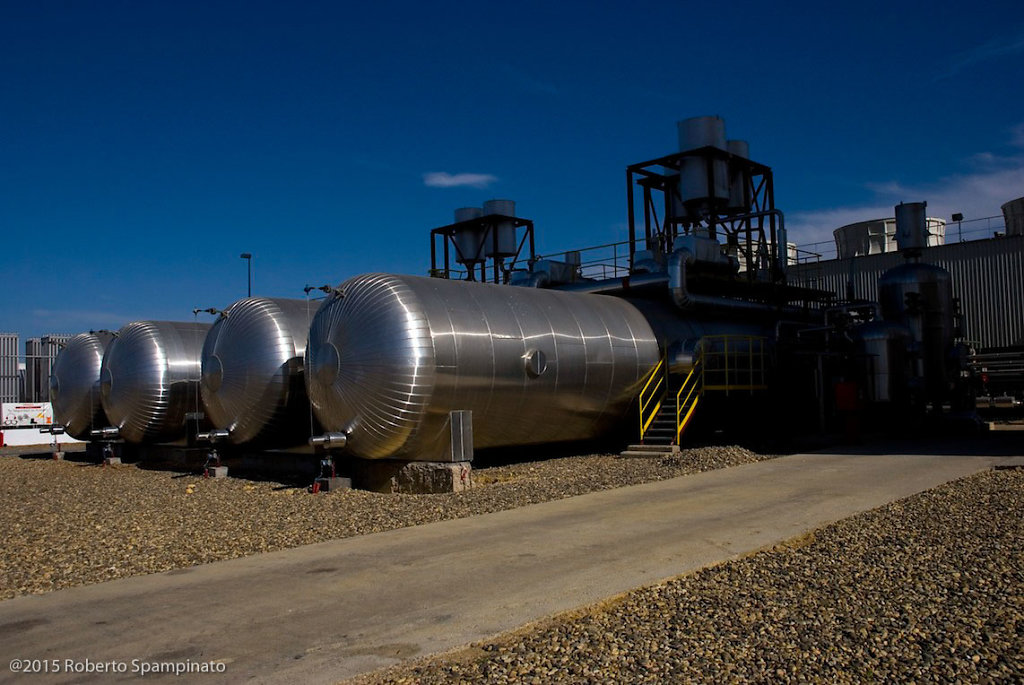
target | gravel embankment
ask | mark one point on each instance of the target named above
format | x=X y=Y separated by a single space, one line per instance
x=927 y=589
x=69 y=523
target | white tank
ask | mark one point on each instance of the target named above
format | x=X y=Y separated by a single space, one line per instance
x=1013 y=214
x=695 y=133
x=503 y=241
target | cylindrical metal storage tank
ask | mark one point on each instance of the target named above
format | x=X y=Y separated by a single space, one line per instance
x=390 y=356
x=883 y=348
x=149 y=379
x=695 y=133
x=739 y=180
x=469 y=240
x=75 y=384
x=503 y=242
x=920 y=297
x=1013 y=215
x=911 y=225
x=252 y=382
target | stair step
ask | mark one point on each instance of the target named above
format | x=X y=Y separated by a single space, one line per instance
x=649 y=451
x=645 y=447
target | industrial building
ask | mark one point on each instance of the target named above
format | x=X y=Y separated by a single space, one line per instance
x=10 y=378
x=699 y=320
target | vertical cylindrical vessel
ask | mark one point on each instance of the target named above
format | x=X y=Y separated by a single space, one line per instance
x=469 y=240
x=911 y=225
x=920 y=297
x=149 y=380
x=75 y=384
x=390 y=356
x=883 y=349
x=503 y=241
x=739 y=179
x=252 y=382
x=703 y=181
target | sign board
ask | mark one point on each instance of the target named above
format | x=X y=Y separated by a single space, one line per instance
x=27 y=414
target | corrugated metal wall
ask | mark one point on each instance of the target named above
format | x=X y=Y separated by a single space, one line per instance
x=988 y=278
x=10 y=384
x=39 y=356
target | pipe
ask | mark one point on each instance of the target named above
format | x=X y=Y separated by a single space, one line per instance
x=538 y=279
x=329 y=440
x=677 y=262
x=110 y=433
x=213 y=436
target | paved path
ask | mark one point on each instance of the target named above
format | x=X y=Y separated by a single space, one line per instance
x=328 y=611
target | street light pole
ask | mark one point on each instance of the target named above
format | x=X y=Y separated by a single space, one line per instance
x=247 y=256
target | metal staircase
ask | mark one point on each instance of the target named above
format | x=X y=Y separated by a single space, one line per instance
x=721 y=364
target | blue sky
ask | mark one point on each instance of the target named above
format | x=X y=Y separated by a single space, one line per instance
x=144 y=145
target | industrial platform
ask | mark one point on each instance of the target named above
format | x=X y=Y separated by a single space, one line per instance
x=329 y=611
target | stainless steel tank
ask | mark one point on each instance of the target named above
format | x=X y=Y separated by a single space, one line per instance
x=75 y=384
x=920 y=297
x=252 y=382
x=883 y=347
x=390 y=356
x=149 y=379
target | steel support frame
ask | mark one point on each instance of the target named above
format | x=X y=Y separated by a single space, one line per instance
x=477 y=271
x=749 y=227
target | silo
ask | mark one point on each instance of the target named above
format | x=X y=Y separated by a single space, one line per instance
x=149 y=379
x=390 y=356
x=252 y=381
x=75 y=384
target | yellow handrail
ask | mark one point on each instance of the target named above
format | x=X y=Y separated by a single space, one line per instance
x=692 y=386
x=655 y=396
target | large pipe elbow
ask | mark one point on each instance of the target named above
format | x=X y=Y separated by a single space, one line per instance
x=539 y=279
x=677 y=263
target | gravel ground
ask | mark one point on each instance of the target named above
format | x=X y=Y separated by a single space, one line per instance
x=69 y=523
x=927 y=589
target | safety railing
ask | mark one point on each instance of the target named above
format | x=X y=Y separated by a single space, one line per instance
x=688 y=396
x=733 y=362
x=652 y=395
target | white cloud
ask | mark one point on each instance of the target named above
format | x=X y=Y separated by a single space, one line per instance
x=442 y=179
x=994 y=48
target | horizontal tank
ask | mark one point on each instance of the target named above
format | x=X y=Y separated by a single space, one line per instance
x=149 y=379
x=390 y=356
x=252 y=383
x=75 y=384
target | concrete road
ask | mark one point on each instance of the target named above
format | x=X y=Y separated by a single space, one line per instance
x=328 y=611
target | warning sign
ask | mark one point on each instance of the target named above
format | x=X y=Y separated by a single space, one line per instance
x=27 y=414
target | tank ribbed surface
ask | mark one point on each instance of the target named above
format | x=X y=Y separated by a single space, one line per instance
x=393 y=355
x=74 y=384
x=150 y=379
x=252 y=381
